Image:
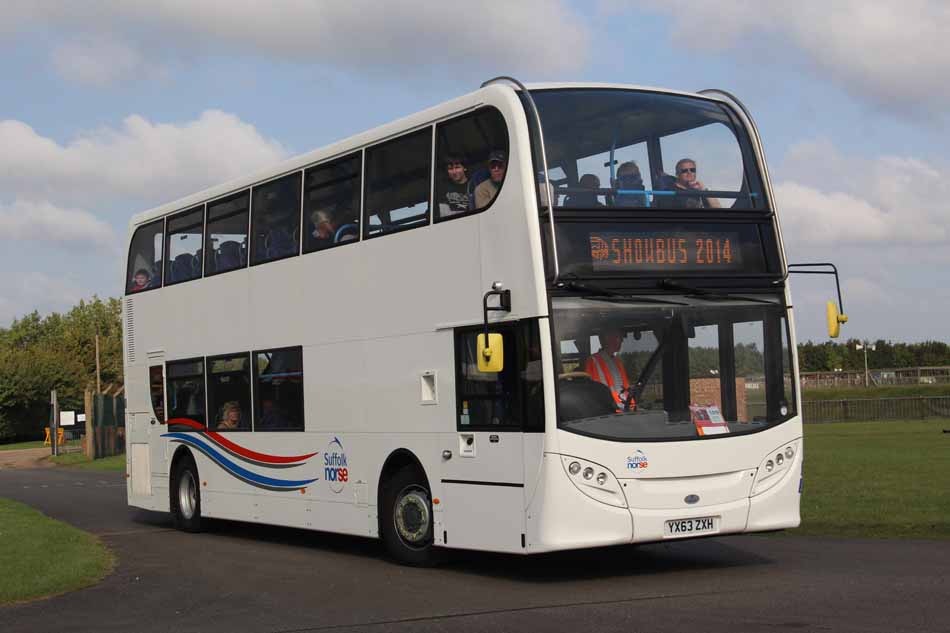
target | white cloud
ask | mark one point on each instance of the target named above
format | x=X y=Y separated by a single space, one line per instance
x=100 y=61
x=44 y=222
x=458 y=36
x=890 y=201
x=884 y=222
x=23 y=292
x=141 y=160
x=81 y=194
x=894 y=53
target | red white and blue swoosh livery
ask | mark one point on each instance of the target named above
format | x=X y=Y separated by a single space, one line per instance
x=219 y=449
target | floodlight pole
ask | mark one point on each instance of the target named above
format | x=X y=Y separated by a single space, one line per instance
x=864 y=345
x=54 y=423
x=98 y=383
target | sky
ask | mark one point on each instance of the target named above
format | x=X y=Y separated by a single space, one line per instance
x=112 y=107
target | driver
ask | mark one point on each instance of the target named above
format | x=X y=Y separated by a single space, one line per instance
x=606 y=367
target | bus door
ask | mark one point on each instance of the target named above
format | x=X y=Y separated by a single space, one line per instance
x=156 y=419
x=145 y=422
x=482 y=475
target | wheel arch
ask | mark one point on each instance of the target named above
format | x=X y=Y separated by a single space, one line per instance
x=396 y=461
x=181 y=453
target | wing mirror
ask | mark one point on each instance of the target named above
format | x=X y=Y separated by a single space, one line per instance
x=491 y=354
x=491 y=346
x=834 y=317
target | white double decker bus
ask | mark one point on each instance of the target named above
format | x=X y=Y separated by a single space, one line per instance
x=302 y=346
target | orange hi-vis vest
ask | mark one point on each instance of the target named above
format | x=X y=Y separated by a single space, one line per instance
x=609 y=371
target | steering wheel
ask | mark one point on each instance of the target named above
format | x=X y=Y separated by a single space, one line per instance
x=344 y=230
x=571 y=375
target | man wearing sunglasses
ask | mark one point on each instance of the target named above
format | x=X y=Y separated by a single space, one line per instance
x=686 y=181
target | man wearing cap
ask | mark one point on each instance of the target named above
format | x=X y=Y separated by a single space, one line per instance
x=485 y=192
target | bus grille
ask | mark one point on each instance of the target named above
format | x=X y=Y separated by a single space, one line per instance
x=129 y=332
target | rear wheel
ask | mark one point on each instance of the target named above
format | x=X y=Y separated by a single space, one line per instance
x=186 y=496
x=407 y=520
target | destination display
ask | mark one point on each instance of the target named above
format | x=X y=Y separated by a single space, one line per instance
x=675 y=250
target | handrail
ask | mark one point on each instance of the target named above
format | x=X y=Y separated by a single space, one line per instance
x=760 y=150
x=544 y=162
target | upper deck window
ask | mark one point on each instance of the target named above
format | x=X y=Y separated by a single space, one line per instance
x=226 y=238
x=332 y=203
x=145 y=258
x=183 y=245
x=276 y=219
x=398 y=175
x=611 y=148
x=471 y=162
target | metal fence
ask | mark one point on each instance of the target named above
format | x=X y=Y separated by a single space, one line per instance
x=876 y=409
x=878 y=377
x=105 y=425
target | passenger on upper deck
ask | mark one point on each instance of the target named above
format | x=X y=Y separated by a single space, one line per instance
x=607 y=368
x=141 y=280
x=686 y=180
x=324 y=228
x=456 y=196
x=629 y=179
x=585 y=198
x=485 y=192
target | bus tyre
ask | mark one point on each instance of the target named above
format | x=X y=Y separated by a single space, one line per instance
x=186 y=495
x=406 y=524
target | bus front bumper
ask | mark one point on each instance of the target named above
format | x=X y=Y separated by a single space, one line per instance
x=561 y=517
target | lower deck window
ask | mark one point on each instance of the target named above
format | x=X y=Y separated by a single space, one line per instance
x=229 y=392
x=278 y=389
x=186 y=392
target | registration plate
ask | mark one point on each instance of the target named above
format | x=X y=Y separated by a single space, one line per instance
x=691 y=527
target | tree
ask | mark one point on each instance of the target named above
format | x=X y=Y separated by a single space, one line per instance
x=57 y=351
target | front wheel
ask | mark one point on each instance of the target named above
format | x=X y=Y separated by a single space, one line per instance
x=186 y=496
x=407 y=520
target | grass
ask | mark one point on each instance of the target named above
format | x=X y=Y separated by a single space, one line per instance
x=21 y=445
x=40 y=556
x=116 y=463
x=32 y=444
x=877 y=480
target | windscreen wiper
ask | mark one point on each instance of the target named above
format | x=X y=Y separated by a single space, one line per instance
x=605 y=294
x=669 y=284
x=588 y=288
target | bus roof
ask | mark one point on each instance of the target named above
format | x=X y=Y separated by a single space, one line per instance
x=375 y=135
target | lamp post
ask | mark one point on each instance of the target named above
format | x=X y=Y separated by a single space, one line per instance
x=865 y=346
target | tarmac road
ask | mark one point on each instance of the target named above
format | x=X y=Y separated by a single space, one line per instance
x=243 y=577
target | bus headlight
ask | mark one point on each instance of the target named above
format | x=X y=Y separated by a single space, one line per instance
x=774 y=467
x=604 y=487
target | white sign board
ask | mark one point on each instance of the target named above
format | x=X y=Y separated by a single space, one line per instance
x=67 y=418
x=81 y=417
